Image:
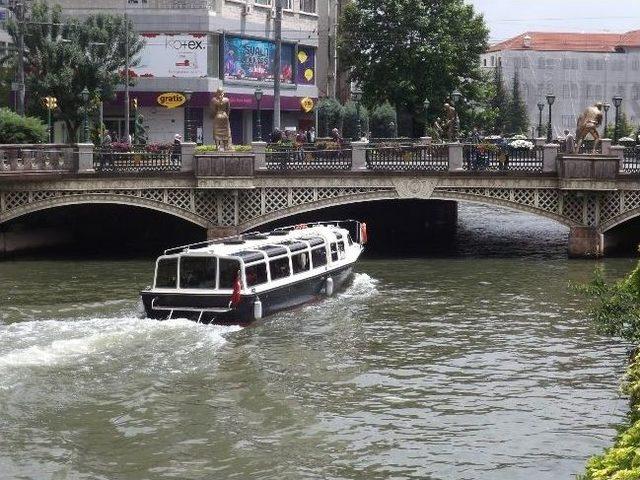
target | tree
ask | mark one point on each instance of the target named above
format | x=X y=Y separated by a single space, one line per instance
x=500 y=102
x=518 y=118
x=384 y=121
x=402 y=51
x=17 y=129
x=350 y=121
x=329 y=116
x=63 y=56
x=625 y=128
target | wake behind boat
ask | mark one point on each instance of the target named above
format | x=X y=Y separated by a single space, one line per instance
x=241 y=279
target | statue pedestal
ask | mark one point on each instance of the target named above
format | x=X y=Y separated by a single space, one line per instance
x=591 y=172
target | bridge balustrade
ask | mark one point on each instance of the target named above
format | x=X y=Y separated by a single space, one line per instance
x=110 y=161
x=424 y=158
x=308 y=159
x=482 y=158
x=37 y=158
x=631 y=159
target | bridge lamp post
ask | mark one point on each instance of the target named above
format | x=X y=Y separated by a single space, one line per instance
x=540 y=110
x=187 y=116
x=356 y=95
x=456 y=96
x=550 y=99
x=426 y=104
x=85 y=99
x=617 y=102
x=258 y=95
x=606 y=107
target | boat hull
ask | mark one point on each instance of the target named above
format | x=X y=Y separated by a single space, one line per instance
x=215 y=308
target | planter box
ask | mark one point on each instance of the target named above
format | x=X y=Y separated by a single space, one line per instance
x=597 y=172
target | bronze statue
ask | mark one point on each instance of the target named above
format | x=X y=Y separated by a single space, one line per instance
x=438 y=131
x=220 y=111
x=588 y=123
x=452 y=122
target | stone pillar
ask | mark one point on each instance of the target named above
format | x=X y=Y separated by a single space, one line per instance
x=425 y=140
x=540 y=141
x=550 y=159
x=606 y=146
x=455 y=157
x=359 y=155
x=220 y=232
x=585 y=242
x=85 y=158
x=260 y=155
x=187 y=150
x=618 y=151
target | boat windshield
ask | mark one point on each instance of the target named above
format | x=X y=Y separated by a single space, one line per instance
x=167 y=273
x=198 y=272
x=229 y=270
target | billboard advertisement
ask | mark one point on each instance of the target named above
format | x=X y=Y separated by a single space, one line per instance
x=251 y=59
x=306 y=65
x=180 y=55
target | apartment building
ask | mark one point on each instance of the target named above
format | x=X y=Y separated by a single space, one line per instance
x=199 y=46
x=578 y=68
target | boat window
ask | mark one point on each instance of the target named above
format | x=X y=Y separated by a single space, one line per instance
x=300 y=262
x=197 y=272
x=341 y=249
x=256 y=274
x=319 y=257
x=349 y=239
x=279 y=268
x=167 y=274
x=334 y=252
x=229 y=270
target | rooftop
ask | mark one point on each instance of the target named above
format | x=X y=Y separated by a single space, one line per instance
x=568 y=41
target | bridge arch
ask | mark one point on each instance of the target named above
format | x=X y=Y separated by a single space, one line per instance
x=86 y=199
x=390 y=194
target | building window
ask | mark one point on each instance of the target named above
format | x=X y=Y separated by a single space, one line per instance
x=493 y=61
x=263 y=3
x=287 y=4
x=635 y=65
x=635 y=91
x=570 y=63
x=484 y=62
x=309 y=6
x=617 y=65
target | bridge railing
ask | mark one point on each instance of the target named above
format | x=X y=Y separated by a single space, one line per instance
x=631 y=160
x=37 y=158
x=108 y=160
x=307 y=159
x=484 y=158
x=426 y=158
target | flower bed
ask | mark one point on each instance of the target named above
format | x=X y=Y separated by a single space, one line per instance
x=214 y=148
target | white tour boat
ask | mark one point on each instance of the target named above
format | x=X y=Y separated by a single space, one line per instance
x=243 y=278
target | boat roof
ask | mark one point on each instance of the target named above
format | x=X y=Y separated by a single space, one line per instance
x=272 y=243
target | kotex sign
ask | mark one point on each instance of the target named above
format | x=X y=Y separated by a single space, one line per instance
x=180 y=55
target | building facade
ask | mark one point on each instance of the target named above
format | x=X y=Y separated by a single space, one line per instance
x=198 y=46
x=580 y=69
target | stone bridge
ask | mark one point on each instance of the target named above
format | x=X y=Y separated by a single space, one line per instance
x=229 y=194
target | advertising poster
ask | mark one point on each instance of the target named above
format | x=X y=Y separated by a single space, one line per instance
x=250 y=59
x=306 y=66
x=181 y=55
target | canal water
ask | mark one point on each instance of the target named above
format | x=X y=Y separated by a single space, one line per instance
x=479 y=364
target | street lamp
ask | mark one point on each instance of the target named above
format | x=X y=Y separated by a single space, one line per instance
x=456 y=96
x=617 y=102
x=356 y=95
x=258 y=95
x=606 y=107
x=540 y=109
x=550 y=99
x=187 y=116
x=85 y=98
x=426 y=104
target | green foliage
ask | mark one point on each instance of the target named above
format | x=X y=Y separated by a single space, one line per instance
x=63 y=56
x=350 y=121
x=626 y=129
x=615 y=308
x=517 y=118
x=384 y=121
x=17 y=129
x=200 y=149
x=500 y=102
x=402 y=51
x=329 y=116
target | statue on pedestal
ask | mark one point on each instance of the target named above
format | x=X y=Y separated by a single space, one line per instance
x=451 y=123
x=588 y=123
x=220 y=111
